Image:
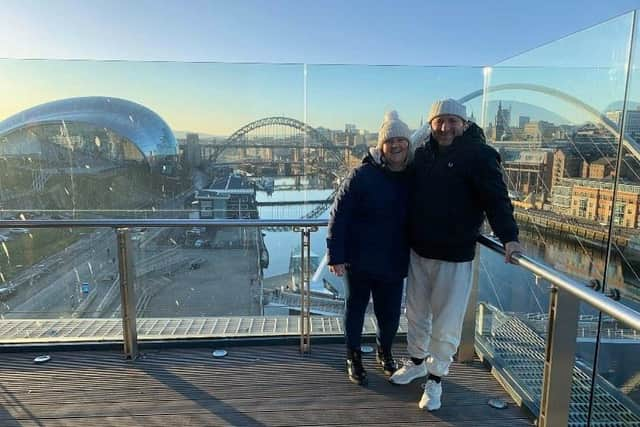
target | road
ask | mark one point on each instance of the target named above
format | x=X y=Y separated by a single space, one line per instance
x=226 y=282
x=52 y=288
x=90 y=259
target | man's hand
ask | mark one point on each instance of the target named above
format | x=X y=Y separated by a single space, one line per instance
x=511 y=248
x=337 y=269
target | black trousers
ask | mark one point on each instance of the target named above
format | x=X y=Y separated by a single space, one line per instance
x=387 y=298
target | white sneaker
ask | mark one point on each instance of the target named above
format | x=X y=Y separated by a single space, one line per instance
x=409 y=372
x=431 y=398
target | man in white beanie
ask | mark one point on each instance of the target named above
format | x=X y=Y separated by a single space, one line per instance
x=456 y=180
x=367 y=242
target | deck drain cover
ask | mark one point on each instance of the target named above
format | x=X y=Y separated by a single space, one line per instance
x=497 y=403
x=42 y=359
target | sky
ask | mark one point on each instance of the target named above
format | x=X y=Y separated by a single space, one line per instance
x=213 y=66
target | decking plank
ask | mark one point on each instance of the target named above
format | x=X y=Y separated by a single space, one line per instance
x=260 y=386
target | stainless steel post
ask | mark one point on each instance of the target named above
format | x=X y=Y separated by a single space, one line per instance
x=127 y=293
x=305 y=291
x=559 y=359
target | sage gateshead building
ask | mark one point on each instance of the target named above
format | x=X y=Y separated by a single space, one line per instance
x=80 y=153
x=104 y=129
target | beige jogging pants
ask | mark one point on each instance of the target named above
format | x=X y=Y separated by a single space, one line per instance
x=437 y=298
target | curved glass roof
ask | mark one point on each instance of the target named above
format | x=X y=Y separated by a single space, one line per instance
x=143 y=127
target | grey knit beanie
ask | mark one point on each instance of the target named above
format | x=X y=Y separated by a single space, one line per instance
x=447 y=106
x=392 y=127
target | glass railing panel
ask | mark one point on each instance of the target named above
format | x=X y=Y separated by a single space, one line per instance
x=510 y=320
x=123 y=139
x=163 y=140
x=598 y=46
x=512 y=327
x=549 y=115
x=557 y=155
x=615 y=388
x=214 y=282
x=53 y=284
x=616 y=397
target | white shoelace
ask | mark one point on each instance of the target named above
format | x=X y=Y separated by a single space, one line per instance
x=406 y=361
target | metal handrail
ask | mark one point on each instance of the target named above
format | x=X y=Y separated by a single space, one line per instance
x=576 y=288
x=599 y=301
x=135 y=222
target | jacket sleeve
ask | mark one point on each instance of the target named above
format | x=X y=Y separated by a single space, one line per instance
x=340 y=218
x=492 y=192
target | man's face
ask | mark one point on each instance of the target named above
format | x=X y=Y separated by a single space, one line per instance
x=395 y=151
x=446 y=127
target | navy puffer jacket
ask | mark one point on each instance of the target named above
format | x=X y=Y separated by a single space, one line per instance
x=451 y=192
x=368 y=224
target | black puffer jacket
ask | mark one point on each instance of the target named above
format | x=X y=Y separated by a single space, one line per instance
x=451 y=191
x=368 y=224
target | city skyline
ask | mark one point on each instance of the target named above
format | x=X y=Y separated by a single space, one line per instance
x=217 y=99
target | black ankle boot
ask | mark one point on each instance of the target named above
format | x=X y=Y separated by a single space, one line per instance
x=386 y=361
x=355 y=370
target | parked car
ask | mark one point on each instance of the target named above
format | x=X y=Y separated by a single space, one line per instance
x=196 y=263
x=200 y=243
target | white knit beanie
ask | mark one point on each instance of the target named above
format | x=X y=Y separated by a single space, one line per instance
x=392 y=127
x=447 y=106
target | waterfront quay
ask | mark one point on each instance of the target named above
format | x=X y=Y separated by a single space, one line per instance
x=551 y=223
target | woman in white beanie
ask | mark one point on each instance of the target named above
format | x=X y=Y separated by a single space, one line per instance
x=367 y=242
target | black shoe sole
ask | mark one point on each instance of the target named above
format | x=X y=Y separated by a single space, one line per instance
x=363 y=381
x=386 y=373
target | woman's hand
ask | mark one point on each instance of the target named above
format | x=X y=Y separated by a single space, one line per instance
x=337 y=269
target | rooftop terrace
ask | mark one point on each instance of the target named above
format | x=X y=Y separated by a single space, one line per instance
x=251 y=386
x=116 y=274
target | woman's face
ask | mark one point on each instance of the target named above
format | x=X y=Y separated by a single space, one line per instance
x=395 y=152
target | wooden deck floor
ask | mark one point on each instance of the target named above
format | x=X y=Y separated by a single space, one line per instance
x=252 y=386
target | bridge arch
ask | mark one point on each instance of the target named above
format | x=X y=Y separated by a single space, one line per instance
x=316 y=136
x=628 y=142
x=316 y=139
